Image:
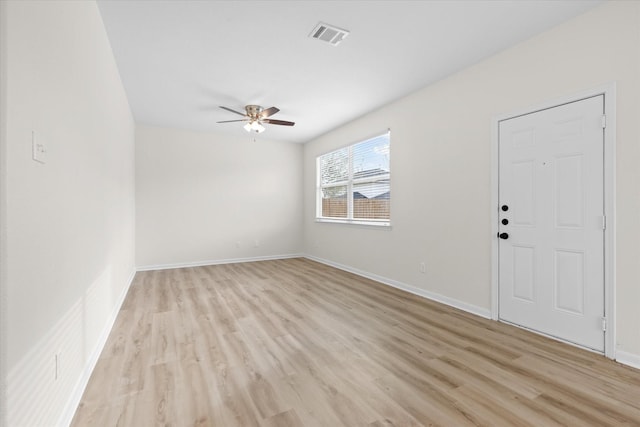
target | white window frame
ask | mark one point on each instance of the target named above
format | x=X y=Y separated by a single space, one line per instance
x=349 y=183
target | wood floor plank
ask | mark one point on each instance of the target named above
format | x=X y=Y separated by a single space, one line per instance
x=283 y=419
x=297 y=343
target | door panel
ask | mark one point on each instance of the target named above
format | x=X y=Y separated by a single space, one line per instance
x=569 y=191
x=569 y=281
x=551 y=266
x=523 y=264
x=524 y=199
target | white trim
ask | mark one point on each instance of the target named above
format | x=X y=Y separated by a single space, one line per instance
x=628 y=359
x=371 y=223
x=495 y=182
x=78 y=390
x=3 y=214
x=610 y=139
x=469 y=308
x=609 y=92
x=214 y=262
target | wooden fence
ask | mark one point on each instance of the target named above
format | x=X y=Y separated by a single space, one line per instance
x=362 y=208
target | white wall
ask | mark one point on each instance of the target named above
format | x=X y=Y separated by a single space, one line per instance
x=207 y=197
x=441 y=163
x=69 y=222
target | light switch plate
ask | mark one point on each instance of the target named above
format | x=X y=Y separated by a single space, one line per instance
x=38 y=148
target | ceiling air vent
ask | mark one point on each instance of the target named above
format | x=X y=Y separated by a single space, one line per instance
x=329 y=33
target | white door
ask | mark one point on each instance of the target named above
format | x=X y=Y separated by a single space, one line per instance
x=551 y=213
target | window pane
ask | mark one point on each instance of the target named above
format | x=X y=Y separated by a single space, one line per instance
x=371 y=158
x=355 y=182
x=334 y=166
x=372 y=200
x=334 y=202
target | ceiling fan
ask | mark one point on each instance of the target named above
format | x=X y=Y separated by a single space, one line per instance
x=255 y=116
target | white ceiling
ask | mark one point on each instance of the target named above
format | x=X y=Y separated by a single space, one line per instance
x=180 y=60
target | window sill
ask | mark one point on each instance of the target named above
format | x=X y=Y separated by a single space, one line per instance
x=382 y=224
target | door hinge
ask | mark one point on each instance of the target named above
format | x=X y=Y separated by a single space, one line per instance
x=604 y=324
x=604 y=222
x=604 y=121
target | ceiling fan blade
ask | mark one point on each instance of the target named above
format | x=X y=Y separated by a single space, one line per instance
x=269 y=112
x=229 y=121
x=233 y=111
x=278 y=122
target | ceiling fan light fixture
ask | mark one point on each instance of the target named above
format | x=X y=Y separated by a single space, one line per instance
x=254 y=126
x=257 y=127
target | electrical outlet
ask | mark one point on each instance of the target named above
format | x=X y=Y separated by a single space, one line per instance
x=423 y=267
x=38 y=148
x=256 y=243
x=238 y=244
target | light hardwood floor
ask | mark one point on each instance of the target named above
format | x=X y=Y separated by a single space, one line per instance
x=297 y=343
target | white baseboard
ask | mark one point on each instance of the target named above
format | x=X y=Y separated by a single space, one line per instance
x=74 y=400
x=628 y=359
x=214 y=262
x=478 y=311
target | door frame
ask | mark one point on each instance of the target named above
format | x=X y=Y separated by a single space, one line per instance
x=609 y=92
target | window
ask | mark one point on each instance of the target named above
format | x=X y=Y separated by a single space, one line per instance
x=354 y=183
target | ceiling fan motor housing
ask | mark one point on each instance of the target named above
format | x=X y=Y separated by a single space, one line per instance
x=253 y=111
